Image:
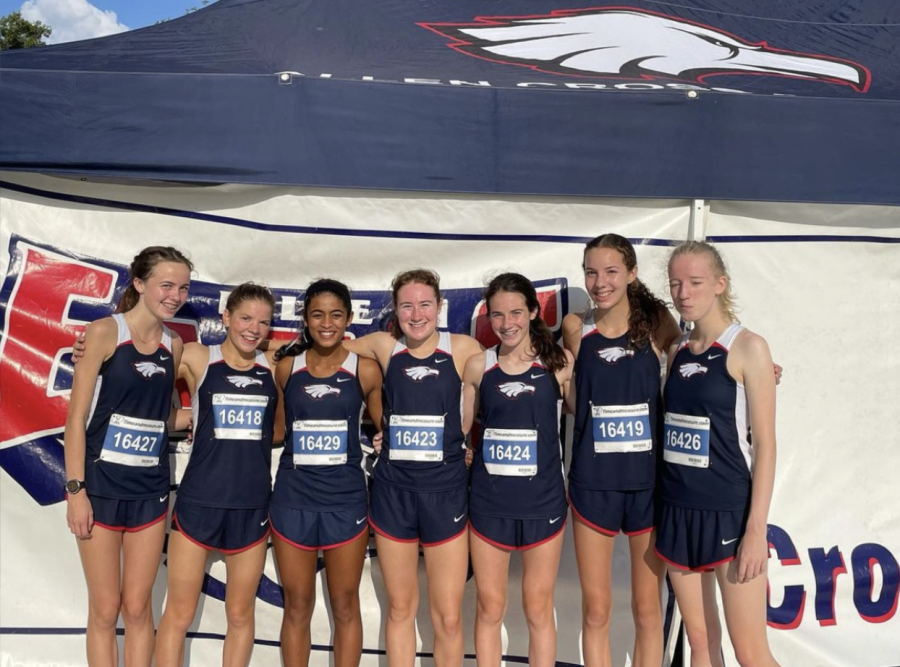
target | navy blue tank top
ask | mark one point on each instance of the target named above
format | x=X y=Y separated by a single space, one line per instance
x=423 y=448
x=127 y=444
x=618 y=410
x=707 y=453
x=517 y=471
x=234 y=415
x=321 y=466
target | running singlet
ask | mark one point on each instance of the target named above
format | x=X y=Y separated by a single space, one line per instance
x=517 y=471
x=127 y=444
x=423 y=447
x=617 y=413
x=234 y=416
x=706 y=441
x=321 y=466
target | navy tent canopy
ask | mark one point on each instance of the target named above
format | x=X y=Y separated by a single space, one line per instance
x=715 y=99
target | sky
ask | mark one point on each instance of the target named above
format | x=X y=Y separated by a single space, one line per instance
x=83 y=19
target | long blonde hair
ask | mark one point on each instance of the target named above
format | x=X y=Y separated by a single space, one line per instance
x=727 y=299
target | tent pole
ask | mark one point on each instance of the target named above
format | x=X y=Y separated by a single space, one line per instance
x=697 y=220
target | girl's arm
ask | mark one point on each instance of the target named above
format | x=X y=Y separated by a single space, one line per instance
x=370 y=380
x=571 y=336
x=282 y=373
x=464 y=348
x=101 y=343
x=377 y=345
x=472 y=375
x=668 y=333
x=753 y=363
x=670 y=356
x=191 y=363
x=564 y=378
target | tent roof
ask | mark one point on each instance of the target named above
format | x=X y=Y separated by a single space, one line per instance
x=650 y=100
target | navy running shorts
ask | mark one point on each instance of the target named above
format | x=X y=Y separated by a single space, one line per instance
x=311 y=530
x=699 y=540
x=226 y=530
x=413 y=516
x=608 y=512
x=129 y=515
x=516 y=534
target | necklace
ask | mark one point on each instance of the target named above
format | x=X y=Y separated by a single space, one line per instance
x=244 y=364
x=132 y=328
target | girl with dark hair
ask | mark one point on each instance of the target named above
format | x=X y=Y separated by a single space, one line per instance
x=419 y=491
x=320 y=501
x=223 y=497
x=617 y=345
x=117 y=453
x=716 y=483
x=518 y=495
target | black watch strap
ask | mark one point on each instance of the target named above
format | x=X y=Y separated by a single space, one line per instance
x=73 y=486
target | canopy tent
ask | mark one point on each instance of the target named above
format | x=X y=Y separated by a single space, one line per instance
x=444 y=118
x=797 y=102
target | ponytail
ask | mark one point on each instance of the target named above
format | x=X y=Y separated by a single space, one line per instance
x=129 y=299
x=295 y=348
x=544 y=345
x=645 y=314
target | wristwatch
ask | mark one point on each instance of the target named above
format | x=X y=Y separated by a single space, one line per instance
x=73 y=486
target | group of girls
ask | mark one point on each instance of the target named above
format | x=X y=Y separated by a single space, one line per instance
x=675 y=477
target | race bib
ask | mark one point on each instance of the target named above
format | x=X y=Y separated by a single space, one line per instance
x=320 y=442
x=686 y=440
x=131 y=441
x=621 y=428
x=416 y=438
x=238 y=416
x=511 y=452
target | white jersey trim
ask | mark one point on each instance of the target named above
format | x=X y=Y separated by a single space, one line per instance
x=350 y=364
x=587 y=324
x=443 y=344
x=726 y=340
x=124 y=334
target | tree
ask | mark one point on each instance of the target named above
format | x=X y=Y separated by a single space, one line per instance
x=19 y=33
x=203 y=4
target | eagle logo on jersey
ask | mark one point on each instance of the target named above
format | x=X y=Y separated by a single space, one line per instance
x=692 y=369
x=419 y=373
x=242 y=381
x=636 y=44
x=515 y=389
x=147 y=369
x=319 y=391
x=611 y=355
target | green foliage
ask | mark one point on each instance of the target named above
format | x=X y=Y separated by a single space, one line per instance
x=203 y=4
x=19 y=33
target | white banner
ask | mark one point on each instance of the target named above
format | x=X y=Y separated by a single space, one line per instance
x=65 y=246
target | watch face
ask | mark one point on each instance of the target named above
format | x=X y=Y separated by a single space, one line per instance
x=73 y=486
